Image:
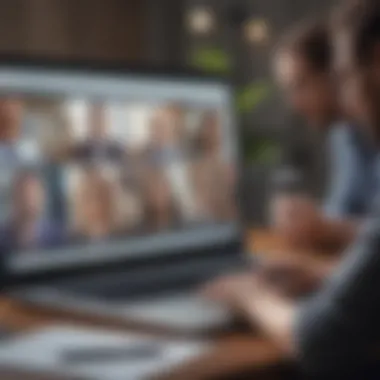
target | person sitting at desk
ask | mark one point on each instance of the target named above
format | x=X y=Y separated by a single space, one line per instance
x=97 y=214
x=11 y=115
x=335 y=332
x=27 y=227
x=167 y=130
x=160 y=210
x=11 y=111
x=213 y=177
x=98 y=146
x=302 y=66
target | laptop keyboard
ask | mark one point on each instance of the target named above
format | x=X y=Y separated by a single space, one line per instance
x=122 y=285
x=162 y=298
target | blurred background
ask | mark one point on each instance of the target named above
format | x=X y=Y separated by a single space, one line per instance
x=232 y=38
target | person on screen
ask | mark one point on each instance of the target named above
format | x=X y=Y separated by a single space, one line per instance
x=212 y=176
x=11 y=111
x=160 y=211
x=334 y=332
x=99 y=145
x=167 y=128
x=168 y=151
x=28 y=227
x=11 y=117
x=96 y=208
x=302 y=65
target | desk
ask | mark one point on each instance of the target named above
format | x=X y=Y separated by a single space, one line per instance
x=234 y=353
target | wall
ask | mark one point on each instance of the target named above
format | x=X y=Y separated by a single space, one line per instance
x=91 y=29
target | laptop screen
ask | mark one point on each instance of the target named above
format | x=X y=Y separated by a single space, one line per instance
x=98 y=167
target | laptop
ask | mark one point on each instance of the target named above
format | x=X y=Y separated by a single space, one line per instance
x=118 y=191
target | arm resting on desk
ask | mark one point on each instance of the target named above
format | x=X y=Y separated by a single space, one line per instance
x=335 y=331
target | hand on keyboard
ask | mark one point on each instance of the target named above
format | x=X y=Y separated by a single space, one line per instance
x=234 y=291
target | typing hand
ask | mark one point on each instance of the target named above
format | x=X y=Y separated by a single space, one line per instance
x=234 y=291
x=240 y=292
x=292 y=277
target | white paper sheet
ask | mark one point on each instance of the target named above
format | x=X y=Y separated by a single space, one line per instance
x=42 y=351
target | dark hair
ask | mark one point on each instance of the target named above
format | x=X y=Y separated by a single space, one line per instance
x=310 y=40
x=361 y=20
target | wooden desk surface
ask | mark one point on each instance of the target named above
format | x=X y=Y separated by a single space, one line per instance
x=233 y=353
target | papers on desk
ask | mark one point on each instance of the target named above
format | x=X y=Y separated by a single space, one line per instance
x=97 y=355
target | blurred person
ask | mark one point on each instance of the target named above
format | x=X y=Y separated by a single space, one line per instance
x=11 y=114
x=167 y=130
x=131 y=205
x=160 y=211
x=99 y=145
x=55 y=137
x=96 y=207
x=334 y=332
x=209 y=139
x=303 y=66
x=168 y=152
x=131 y=202
x=11 y=120
x=212 y=176
x=28 y=227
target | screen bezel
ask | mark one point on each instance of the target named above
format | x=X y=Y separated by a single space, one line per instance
x=232 y=245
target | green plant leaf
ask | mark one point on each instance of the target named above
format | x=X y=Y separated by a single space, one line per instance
x=261 y=150
x=212 y=60
x=250 y=97
x=216 y=60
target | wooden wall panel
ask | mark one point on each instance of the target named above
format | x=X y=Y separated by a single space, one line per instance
x=12 y=25
x=100 y=29
x=46 y=24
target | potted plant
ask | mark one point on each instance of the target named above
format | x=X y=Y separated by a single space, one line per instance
x=260 y=152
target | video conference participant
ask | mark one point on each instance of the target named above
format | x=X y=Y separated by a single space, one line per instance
x=160 y=210
x=27 y=226
x=98 y=145
x=11 y=115
x=167 y=151
x=96 y=208
x=167 y=131
x=302 y=66
x=11 y=111
x=213 y=178
x=335 y=333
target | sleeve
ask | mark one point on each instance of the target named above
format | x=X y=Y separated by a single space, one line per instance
x=342 y=194
x=337 y=328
